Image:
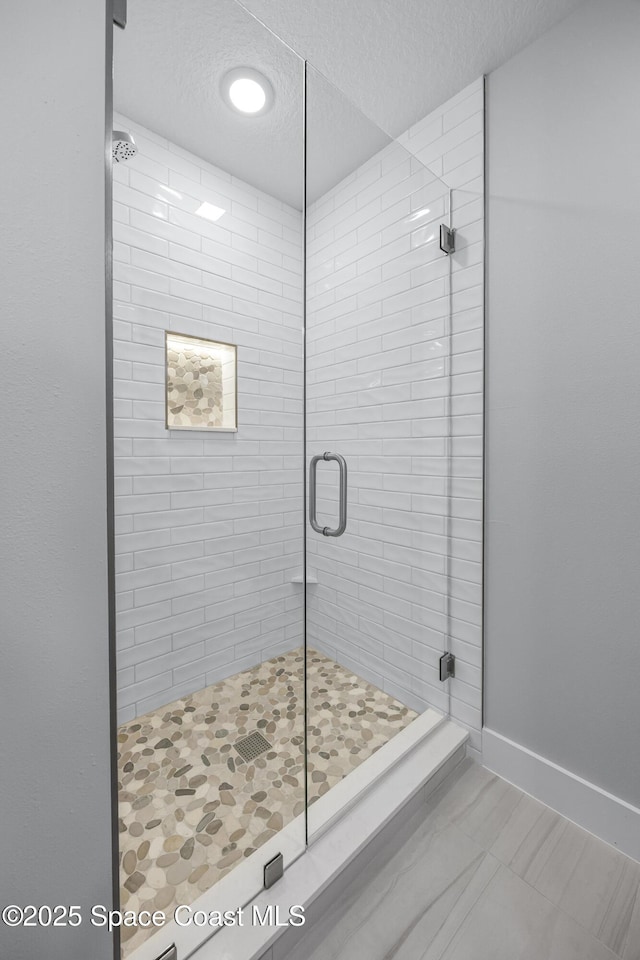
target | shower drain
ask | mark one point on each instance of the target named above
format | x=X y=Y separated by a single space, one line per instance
x=252 y=746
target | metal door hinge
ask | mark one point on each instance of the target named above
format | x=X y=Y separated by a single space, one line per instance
x=120 y=20
x=447 y=239
x=170 y=954
x=273 y=870
x=447 y=666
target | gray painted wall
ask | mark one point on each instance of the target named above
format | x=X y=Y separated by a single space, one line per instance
x=563 y=397
x=55 y=782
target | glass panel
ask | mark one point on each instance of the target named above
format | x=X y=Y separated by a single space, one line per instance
x=209 y=502
x=378 y=394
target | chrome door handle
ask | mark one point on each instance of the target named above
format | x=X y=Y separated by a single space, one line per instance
x=342 y=524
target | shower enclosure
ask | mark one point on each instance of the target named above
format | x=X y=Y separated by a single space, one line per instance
x=290 y=500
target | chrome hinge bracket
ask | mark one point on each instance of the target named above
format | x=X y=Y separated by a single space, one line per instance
x=273 y=870
x=120 y=20
x=447 y=666
x=447 y=239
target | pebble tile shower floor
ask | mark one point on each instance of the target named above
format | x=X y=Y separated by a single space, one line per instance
x=191 y=807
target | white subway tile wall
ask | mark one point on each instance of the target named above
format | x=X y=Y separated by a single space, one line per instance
x=209 y=533
x=208 y=525
x=395 y=381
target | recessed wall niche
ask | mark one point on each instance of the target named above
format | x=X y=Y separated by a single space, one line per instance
x=201 y=383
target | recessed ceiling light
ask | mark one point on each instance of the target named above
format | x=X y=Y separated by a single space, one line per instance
x=247 y=91
x=247 y=95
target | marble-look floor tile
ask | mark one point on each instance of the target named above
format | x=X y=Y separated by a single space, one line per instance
x=487 y=873
x=528 y=837
x=591 y=881
x=631 y=950
x=511 y=921
x=412 y=947
x=417 y=898
x=601 y=892
x=558 y=868
x=451 y=800
x=480 y=804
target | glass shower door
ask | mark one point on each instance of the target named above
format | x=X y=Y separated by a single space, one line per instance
x=378 y=448
x=209 y=493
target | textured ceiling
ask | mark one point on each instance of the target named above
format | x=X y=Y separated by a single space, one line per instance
x=396 y=60
x=167 y=68
x=399 y=59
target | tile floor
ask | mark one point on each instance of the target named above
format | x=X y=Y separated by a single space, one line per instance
x=484 y=872
x=190 y=807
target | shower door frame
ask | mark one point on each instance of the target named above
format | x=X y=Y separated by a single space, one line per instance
x=110 y=470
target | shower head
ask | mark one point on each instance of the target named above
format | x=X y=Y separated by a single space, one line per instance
x=123 y=146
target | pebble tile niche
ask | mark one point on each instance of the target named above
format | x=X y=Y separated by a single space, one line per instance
x=191 y=807
x=201 y=384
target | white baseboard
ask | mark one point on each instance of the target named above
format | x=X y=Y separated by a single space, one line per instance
x=608 y=817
